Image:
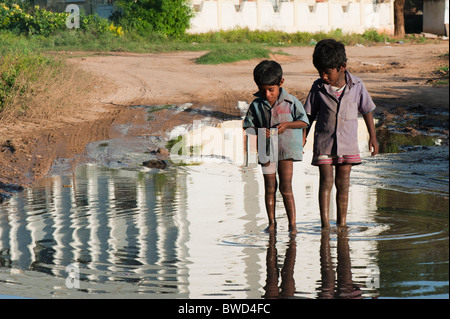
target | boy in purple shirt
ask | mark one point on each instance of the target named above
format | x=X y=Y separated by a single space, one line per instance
x=334 y=101
x=279 y=118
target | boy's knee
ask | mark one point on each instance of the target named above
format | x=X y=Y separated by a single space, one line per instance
x=271 y=189
x=342 y=184
x=326 y=183
x=342 y=187
x=286 y=190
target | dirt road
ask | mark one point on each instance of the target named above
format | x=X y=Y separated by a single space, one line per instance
x=397 y=76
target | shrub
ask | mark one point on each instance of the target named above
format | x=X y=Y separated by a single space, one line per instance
x=38 y=21
x=37 y=85
x=17 y=71
x=169 y=17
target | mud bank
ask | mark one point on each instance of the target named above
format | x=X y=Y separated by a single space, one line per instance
x=27 y=157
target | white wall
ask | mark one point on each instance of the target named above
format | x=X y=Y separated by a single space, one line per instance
x=294 y=16
x=435 y=16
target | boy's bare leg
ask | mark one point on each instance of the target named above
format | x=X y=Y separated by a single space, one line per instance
x=325 y=186
x=285 y=172
x=342 y=188
x=270 y=188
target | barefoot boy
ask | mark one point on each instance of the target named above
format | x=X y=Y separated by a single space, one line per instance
x=278 y=118
x=334 y=101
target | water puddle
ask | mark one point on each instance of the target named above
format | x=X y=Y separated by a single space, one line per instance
x=408 y=130
x=114 y=228
x=196 y=232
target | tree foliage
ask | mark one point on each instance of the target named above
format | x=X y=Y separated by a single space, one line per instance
x=169 y=17
x=24 y=19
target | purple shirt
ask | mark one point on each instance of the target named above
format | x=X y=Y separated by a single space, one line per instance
x=336 y=131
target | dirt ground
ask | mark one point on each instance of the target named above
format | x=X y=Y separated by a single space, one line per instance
x=400 y=77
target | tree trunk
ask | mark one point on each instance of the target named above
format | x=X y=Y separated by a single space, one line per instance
x=399 y=18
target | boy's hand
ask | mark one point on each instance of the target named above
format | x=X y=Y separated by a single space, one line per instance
x=282 y=127
x=373 y=146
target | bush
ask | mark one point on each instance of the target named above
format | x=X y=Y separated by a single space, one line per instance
x=38 y=21
x=168 y=17
x=17 y=71
x=233 y=53
x=374 y=36
x=37 y=85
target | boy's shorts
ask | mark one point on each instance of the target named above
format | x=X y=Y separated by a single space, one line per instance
x=336 y=159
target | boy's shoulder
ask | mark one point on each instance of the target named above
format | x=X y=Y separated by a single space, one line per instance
x=317 y=84
x=353 y=79
x=257 y=100
x=286 y=96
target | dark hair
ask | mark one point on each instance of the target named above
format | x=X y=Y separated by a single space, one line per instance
x=329 y=54
x=268 y=72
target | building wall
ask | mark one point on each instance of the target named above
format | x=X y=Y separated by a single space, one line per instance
x=293 y=16
x=436 y=16
x=352 y=16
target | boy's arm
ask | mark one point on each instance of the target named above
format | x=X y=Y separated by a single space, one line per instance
x=373 y=144
x=248 y=123
x=310 y=109
x=307 y=129
x=299 y=115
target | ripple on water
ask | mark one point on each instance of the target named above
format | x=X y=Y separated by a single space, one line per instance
x=134 y=232
x=406 y=227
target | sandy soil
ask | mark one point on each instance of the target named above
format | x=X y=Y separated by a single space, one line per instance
x=399 y=76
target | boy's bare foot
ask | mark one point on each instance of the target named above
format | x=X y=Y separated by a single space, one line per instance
x=293 y=229
x=271 y=228
x=342 y=228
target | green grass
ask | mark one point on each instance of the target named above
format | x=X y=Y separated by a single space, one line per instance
x=23 y=57
x=223 y=46
x=76 y=40
x=233 y=53
x=21 y=65
x=34 y=83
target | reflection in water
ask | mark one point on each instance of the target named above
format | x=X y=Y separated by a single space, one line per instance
x=287 y=285
x=341 y=287
x=196 y=232
x=118 y=225
x=329 y=287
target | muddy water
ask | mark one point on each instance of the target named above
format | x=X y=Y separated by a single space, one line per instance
x=116 y=229
x=196 y=232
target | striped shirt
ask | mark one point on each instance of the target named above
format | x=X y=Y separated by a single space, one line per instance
x=338 y=91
